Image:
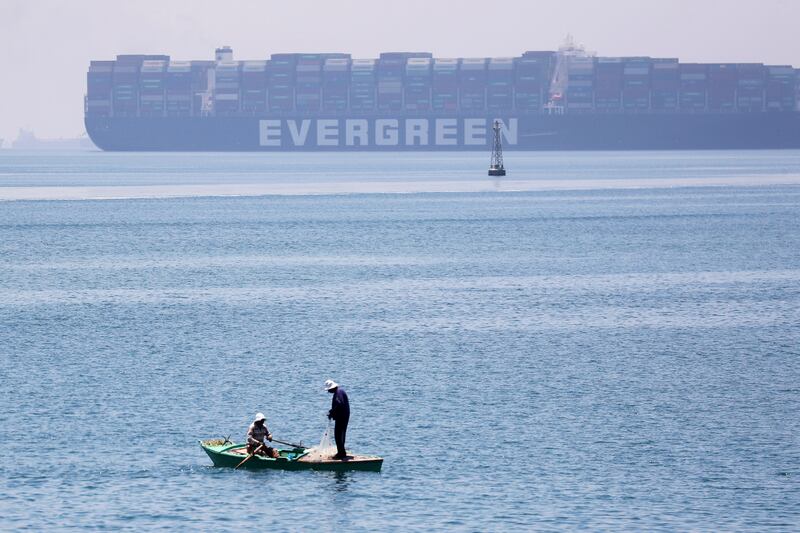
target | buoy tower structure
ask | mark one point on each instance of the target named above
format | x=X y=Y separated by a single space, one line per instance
x=496 y=164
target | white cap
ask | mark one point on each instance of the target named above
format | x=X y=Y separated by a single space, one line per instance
x=330 y=384
x=260 y=416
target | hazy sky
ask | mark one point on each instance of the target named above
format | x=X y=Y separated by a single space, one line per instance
x=47 y=44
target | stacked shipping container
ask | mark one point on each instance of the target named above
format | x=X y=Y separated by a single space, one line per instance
x=500 y=86
x=406 y=82
x=797 y=88
x=664 y=84
x=125 y=83
x=98 y=88
x=308 y=83
x=280 y=82
x=178 y=89
x=227 y=87
x=636 y=83
x=580 y=86
x=750 y=86
x=152 y=88
x=693 y=93
x=417 y=84
x=532 y=81
x=125 y=80
x=254 y=87
x=722 y=84
x=608 y=83
x=391 y=71
x=390 y=81
x=444 y=85
x=363 y=85
x=335 y=82
x=472 y=84
x=780 y=90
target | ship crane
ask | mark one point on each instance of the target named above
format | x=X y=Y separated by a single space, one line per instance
x=567 y=54
x=496 y=164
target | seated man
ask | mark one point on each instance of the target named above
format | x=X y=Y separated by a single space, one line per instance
x=256 y=434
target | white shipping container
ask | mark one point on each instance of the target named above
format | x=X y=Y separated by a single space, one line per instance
x=473 y=64
x=254 y=66
x=501 y=63
x=151 y=68
x=336 y=65
x=445 y=64
x=179 y=66
x=418 y=62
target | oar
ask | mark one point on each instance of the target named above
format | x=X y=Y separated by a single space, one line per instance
x=290 y=444
x=249 y=457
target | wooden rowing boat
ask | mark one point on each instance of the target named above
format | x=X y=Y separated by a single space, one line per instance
x=227 y=454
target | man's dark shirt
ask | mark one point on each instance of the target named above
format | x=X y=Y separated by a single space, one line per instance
x=340 y=405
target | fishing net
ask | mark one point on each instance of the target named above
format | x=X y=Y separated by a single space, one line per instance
x=326 y=448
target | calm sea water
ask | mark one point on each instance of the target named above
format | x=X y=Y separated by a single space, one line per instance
x=623 y=356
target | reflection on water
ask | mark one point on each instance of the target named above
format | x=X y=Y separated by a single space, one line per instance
x=341 y=481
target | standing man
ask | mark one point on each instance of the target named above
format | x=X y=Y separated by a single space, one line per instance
x=340 y=412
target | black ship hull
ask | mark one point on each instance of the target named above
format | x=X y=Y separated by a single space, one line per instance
x=596 y=131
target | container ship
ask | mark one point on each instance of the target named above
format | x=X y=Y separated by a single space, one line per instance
x=566 y=99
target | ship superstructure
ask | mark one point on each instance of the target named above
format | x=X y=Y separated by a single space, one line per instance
x=565 y=99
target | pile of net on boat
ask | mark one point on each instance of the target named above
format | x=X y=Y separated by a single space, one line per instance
x=326 y=447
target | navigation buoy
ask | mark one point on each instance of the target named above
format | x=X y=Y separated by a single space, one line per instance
x=496 y=164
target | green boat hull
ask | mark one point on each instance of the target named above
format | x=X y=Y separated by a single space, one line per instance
x=229 y=455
